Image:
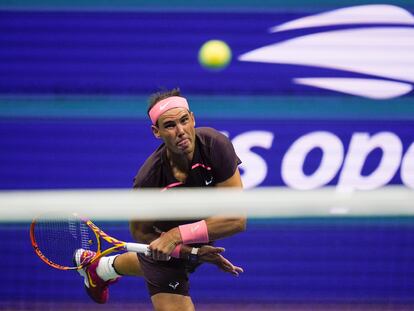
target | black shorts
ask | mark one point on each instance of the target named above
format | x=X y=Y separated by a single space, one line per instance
x=166 y=276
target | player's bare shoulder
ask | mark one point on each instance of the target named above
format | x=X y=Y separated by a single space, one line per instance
x=149 y=170
x=210 y=136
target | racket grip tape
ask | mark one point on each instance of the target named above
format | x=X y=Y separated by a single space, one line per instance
x=138 y=248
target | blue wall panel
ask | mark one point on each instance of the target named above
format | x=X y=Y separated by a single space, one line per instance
x=86 y=52
x=79 y=153
x=50 y=57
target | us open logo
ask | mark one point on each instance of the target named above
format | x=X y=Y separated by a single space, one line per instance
x=373 y=51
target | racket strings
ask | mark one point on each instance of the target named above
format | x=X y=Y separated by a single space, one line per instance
x=85 y=237
x=59 y=238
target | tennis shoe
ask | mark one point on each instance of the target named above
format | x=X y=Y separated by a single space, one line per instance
x=96 y=288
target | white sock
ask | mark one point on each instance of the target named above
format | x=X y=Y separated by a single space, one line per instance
x=105 y=269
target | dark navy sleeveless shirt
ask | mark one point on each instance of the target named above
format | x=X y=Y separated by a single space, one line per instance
x=214 y=161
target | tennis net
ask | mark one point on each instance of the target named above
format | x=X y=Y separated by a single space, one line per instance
x=312 y=250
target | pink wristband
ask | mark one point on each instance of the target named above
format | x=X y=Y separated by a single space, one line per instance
x=176 y=252
x=195 y=232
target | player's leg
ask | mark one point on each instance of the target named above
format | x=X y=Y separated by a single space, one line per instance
x=167 y=283
x=172 y=302
x=105 y=271
x=128 y=264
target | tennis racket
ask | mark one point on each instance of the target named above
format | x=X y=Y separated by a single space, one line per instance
x=56 y=238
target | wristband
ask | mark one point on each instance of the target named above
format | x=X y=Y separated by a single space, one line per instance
x=176 y=252
x=195 y=232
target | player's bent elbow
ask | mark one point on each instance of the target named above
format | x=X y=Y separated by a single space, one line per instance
x=140 y=231
x=241 y=224
x=137 y=235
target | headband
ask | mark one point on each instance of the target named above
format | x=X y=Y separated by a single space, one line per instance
x=166 y=104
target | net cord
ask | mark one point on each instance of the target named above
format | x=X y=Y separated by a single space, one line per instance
x=272 y=202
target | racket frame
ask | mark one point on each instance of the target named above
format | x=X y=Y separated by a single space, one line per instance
x=100 y=235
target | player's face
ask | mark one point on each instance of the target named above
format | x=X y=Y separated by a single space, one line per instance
x=176 y=127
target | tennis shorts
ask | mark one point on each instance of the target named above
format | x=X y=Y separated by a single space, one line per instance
x=166 y=276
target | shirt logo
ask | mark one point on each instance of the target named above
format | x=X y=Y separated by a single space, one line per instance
x=173 y=285
x=207 y=182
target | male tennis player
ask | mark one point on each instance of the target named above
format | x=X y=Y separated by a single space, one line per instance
x=188 y=157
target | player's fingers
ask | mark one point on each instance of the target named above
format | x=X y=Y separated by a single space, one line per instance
x=225 y=260
x=225 y=264
x=154 y=254
x=153 y=245
x=235 y=273
x=232 y=271
x=164 y=257
x=160 y=256
x=229 y=267
x=238 y=269
x=157 y=255
x=218 y=250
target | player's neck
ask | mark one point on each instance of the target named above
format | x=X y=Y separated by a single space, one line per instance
x=180 y=162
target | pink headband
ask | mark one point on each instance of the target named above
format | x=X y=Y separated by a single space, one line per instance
x=166 y=104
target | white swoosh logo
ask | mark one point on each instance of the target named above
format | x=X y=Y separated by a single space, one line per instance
x=381 y=51
x=369 y=88
x=163 y=106
x=195 y=228
x=386 y=52
x=361 y=14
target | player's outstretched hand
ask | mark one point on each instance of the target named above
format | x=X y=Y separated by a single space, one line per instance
x=211 y=254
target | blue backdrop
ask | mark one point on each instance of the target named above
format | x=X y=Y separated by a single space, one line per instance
x=73 y=90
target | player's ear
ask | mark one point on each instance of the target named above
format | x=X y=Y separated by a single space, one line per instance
x=155 y=131
x=193 y=117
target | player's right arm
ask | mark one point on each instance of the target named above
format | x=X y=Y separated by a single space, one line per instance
x=143 y=231
x=210 y=229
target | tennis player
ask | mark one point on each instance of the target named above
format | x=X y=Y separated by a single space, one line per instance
x=188 y=157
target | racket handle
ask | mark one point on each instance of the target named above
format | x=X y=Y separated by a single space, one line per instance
x=138 y=248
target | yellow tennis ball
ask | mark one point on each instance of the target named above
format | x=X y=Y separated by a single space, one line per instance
x=214 y=54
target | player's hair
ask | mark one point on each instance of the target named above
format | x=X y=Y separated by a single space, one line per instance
x=160 y=95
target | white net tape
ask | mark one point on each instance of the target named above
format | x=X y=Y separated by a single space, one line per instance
x=189 y=203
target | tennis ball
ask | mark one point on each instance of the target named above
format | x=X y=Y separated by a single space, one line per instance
x=214 y=54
